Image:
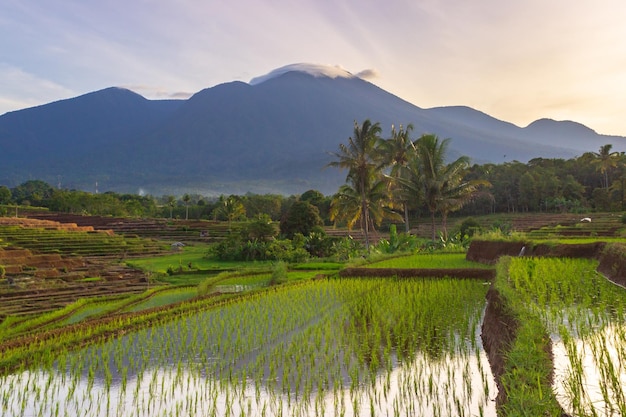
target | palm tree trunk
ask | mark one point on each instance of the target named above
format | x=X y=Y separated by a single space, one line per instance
x=365 y=223
x=432 y=223
x=407 y=227
x=364 y=215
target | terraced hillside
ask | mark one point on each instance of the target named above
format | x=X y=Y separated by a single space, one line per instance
x=168 y=230
x=49 y=264
x=555 y=224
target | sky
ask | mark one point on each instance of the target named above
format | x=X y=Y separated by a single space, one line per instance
x=515 y=60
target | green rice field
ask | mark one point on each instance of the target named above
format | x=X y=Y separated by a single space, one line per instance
x=349 y=347
x=427 y=261
x=584 y=315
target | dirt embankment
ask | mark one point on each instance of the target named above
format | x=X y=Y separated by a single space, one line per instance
x=498 y=333
x=613 y=263
x=499 y=326
x=611 y=256
x=488 y=252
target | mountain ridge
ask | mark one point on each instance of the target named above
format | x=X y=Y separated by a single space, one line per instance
x=270 y=136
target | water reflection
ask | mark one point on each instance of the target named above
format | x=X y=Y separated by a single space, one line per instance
x=590 y=372
x=459 y=385
x=344 y=348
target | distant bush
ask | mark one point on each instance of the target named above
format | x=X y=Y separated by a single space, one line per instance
x=279 y=273
x=235 y=248
x=469 y=227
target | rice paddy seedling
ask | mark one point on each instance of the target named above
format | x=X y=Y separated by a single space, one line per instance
x=326 y=347
x=582 y=311
x=428 y=260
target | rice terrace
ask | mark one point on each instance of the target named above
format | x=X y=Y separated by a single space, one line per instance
x=135 y=326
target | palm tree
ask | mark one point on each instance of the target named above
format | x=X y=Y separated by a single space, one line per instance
x=346 y=205
x=186 y=200
x=230 y=208
x=605 y=160
x=457 y=191
x=171 y=202
x=360 y=159
x=443 y=186
x=395 y=152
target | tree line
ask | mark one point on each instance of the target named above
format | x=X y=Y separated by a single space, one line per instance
x=397 y=175
x=397 y=179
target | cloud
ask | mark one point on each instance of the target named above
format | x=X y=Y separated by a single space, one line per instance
x=20 y=89
x=368 y=74
x=153 y=92
x=316 y=70
x=180 y=95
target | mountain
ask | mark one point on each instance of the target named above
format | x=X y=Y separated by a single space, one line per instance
x=273 y=134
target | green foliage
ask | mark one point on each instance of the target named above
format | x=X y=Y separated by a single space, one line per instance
x=279 y=273
x=319 y=244
x=235 y=248
x=261 y=228
x=468 y=227
x=2 y=271
x=347 y=248
x=5 y=195
x=301 y=218
x=402 y=242
x=230 y=208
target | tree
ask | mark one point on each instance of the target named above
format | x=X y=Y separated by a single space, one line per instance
x=171 y=202
x=301 y=218
x=360 y=159
x=457 y=191
x=231 y=209
x=33 y=191
x=395 y=153
x=443 y=187
x=605 y=160
x=256 y=204
x=346 y=205
x=5 y=195
x=186 y=200
x=319 y=200
x=261 y=228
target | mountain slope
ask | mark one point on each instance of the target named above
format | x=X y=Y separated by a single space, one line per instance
x=273 y=135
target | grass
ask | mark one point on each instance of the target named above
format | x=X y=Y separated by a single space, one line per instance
x=442 y=260
x=248 y=280
x=567 y=301
x=194 y=255
x=94 y=309
x=319 y=266
x=166 y=297
x=527 y=368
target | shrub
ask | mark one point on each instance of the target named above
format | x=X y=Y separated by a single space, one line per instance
x=301 y=217
x=468 y=227
x=347 y=248
x=279 y=273
x=261 y=228
x=319 y=244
